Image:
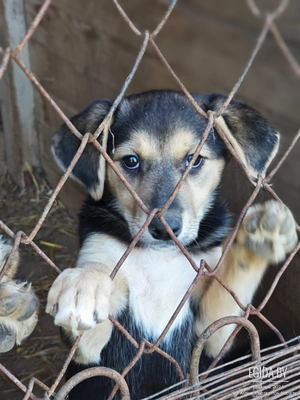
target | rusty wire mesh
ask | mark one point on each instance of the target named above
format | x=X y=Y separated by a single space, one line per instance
x=232 y=384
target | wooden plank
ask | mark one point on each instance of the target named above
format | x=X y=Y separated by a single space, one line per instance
x=196 y=47
x=78 y=87
x=20 y=136
x=146 y=14
x=237 y=13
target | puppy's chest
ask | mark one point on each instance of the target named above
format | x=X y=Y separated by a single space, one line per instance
x=158 y=280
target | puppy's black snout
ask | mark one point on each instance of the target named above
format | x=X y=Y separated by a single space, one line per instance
x=158 y=231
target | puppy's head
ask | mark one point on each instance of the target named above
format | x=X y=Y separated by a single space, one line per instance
x=152 y=139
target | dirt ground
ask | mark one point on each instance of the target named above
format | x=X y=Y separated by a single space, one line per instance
x=42 y=354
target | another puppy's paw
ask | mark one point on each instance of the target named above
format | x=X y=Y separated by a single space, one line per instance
x=6 y=246
x=80 y=297
x=17 y=300
x=18 y=303
x=269 y=231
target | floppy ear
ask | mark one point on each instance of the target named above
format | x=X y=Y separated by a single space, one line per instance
x=248 y=132
x=90 y=168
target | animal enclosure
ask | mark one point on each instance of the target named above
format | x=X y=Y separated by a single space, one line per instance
x=58 y=56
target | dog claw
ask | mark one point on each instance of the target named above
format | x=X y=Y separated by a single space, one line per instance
x=55 y=309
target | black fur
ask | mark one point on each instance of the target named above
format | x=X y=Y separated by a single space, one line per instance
x=151 y=374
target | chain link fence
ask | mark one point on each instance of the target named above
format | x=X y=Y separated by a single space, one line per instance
x=232 y=384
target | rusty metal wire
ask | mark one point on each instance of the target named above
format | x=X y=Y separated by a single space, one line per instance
x=206 y=334
x=232 y=384
x=5 y=61
x=89 y=373
x=252 y=379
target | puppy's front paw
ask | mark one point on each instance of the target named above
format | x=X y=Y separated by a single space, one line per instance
x=269 y=231
x=80 y=297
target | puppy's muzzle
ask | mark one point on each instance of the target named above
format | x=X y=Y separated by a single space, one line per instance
x=158 y=231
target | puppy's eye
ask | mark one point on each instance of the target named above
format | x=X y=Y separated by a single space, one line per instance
x=198 y=163
x=131 y=162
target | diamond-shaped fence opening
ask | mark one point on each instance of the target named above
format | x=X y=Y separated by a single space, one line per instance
x=234 y=383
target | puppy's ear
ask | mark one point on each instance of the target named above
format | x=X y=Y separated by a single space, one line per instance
x=248 y=132
x=90 y=168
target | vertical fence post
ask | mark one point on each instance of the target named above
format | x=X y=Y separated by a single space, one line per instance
x=17 y=100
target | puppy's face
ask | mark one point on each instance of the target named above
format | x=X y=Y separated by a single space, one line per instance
x=153 y=165
x=152 y=139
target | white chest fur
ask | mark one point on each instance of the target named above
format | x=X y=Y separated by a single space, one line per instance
x=157 y=279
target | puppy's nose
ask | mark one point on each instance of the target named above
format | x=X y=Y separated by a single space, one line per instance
x=158 y=231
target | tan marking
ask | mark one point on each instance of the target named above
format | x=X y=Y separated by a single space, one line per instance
x=177 y=145
x=140 y=143
x=235 y=145
x=97 y=191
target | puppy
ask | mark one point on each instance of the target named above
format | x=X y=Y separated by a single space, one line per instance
x=152 y=139
x=18 y=303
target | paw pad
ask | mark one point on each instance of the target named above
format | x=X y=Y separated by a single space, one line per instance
x=270 y=231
